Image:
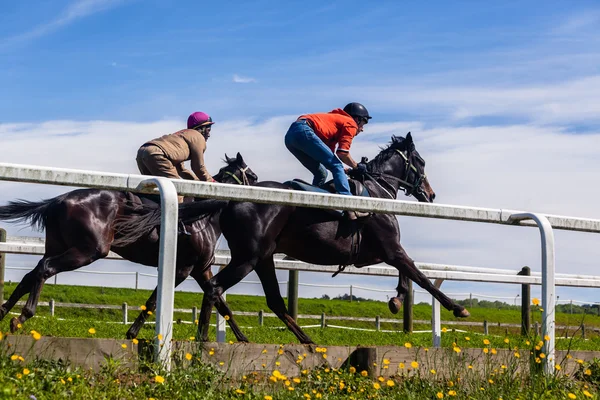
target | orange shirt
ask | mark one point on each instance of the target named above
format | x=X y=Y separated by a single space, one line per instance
x=335 y=127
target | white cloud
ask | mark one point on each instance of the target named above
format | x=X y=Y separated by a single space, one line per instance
x=242 y=79
x=76 y=10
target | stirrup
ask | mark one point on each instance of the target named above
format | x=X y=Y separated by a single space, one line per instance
x=183 y=229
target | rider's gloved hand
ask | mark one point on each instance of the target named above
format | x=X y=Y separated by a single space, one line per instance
x=361 y=168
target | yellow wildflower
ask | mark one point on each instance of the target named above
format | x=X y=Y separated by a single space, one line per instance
x=439 y=395
x=240 y=391
x=377 y=386
x=135 y=341
x=26 y=371
x=92 y=331
x=390 y=383
x=123 y=345
x=414 y=364
x=364 y=373
x=408 y=345
x=486 y=341
x=188 y=356
x=226 y=318
x=535 y=301
x=572 y=396
x=159 y=379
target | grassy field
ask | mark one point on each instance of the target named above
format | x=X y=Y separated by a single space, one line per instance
x=501 y=379
x=76 y=322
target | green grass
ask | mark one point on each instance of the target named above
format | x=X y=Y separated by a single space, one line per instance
x=78 y=321
x=54 y=379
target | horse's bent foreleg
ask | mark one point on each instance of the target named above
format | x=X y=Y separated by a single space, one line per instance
x=134 y=329
x=395 y=303
x=221 y=305
x=213 y=288
x=407 y=267
x=268 y=278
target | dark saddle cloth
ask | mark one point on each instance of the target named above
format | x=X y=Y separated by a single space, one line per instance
x=356 y=187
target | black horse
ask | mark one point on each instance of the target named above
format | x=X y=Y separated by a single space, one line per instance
x=256 y=231
x=81 y=228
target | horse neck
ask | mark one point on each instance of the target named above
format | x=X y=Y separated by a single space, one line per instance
x=388 y=170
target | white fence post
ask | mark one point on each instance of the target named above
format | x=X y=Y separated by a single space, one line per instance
x=166 y=268
x=548 y=284
x=436 y=322
x=221 y=321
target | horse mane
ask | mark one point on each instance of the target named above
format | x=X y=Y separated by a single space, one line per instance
x=378 y=163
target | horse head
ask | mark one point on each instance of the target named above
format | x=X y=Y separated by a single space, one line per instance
x=236 y=172
x=402 y=162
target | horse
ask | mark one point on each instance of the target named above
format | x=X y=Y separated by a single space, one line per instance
x=81 y=228
x=255 y=232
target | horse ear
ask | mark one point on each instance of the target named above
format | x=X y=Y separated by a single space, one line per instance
x=228 y=160
x=239 y=158
x=409 y=138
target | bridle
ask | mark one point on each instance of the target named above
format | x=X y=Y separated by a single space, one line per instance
x=244 y=181
x=410 y=188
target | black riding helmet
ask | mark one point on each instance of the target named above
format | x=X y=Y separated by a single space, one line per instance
x=357 y=110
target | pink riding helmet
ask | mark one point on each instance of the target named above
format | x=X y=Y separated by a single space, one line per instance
x=198 y=119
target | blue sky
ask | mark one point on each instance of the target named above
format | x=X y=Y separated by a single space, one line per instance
x=501 y=97
x=146 y=60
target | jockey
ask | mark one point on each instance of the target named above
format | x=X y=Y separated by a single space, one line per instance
x=313 y=138
x=165 y=156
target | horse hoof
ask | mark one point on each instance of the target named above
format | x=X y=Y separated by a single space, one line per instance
x=462 y=313
x=14 y=325
x=395 y=305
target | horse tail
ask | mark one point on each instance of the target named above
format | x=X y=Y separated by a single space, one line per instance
x=130 y=228
x=31 y=212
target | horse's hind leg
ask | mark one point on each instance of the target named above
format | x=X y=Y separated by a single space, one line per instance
x=220 y=304
x=266 y=272
x=406 y=266
x=21 y=290
x=70 y=260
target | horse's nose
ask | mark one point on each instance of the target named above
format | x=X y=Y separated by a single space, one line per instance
x=432 y=196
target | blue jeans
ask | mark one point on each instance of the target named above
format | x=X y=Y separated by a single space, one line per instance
x=310 y=150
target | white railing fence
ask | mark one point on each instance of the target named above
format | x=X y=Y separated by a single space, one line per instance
x=169 y=188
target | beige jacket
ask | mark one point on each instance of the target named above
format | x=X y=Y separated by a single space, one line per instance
x=187 y=144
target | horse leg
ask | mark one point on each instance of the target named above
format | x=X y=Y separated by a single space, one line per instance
x=266 y=272
x=220 y=304
x=21 y=290
x=214 y=287
x=134 y=329
x=406 y=265
x=395 y=303
x=70 y=260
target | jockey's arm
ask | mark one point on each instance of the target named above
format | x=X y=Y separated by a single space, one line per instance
x=346 y=158
x=185 y=173
x=198 y=166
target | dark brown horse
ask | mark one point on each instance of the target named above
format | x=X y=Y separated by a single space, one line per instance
x=255 y=232
x=80 y=229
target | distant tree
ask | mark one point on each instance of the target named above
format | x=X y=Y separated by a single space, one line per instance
x=325 y=297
